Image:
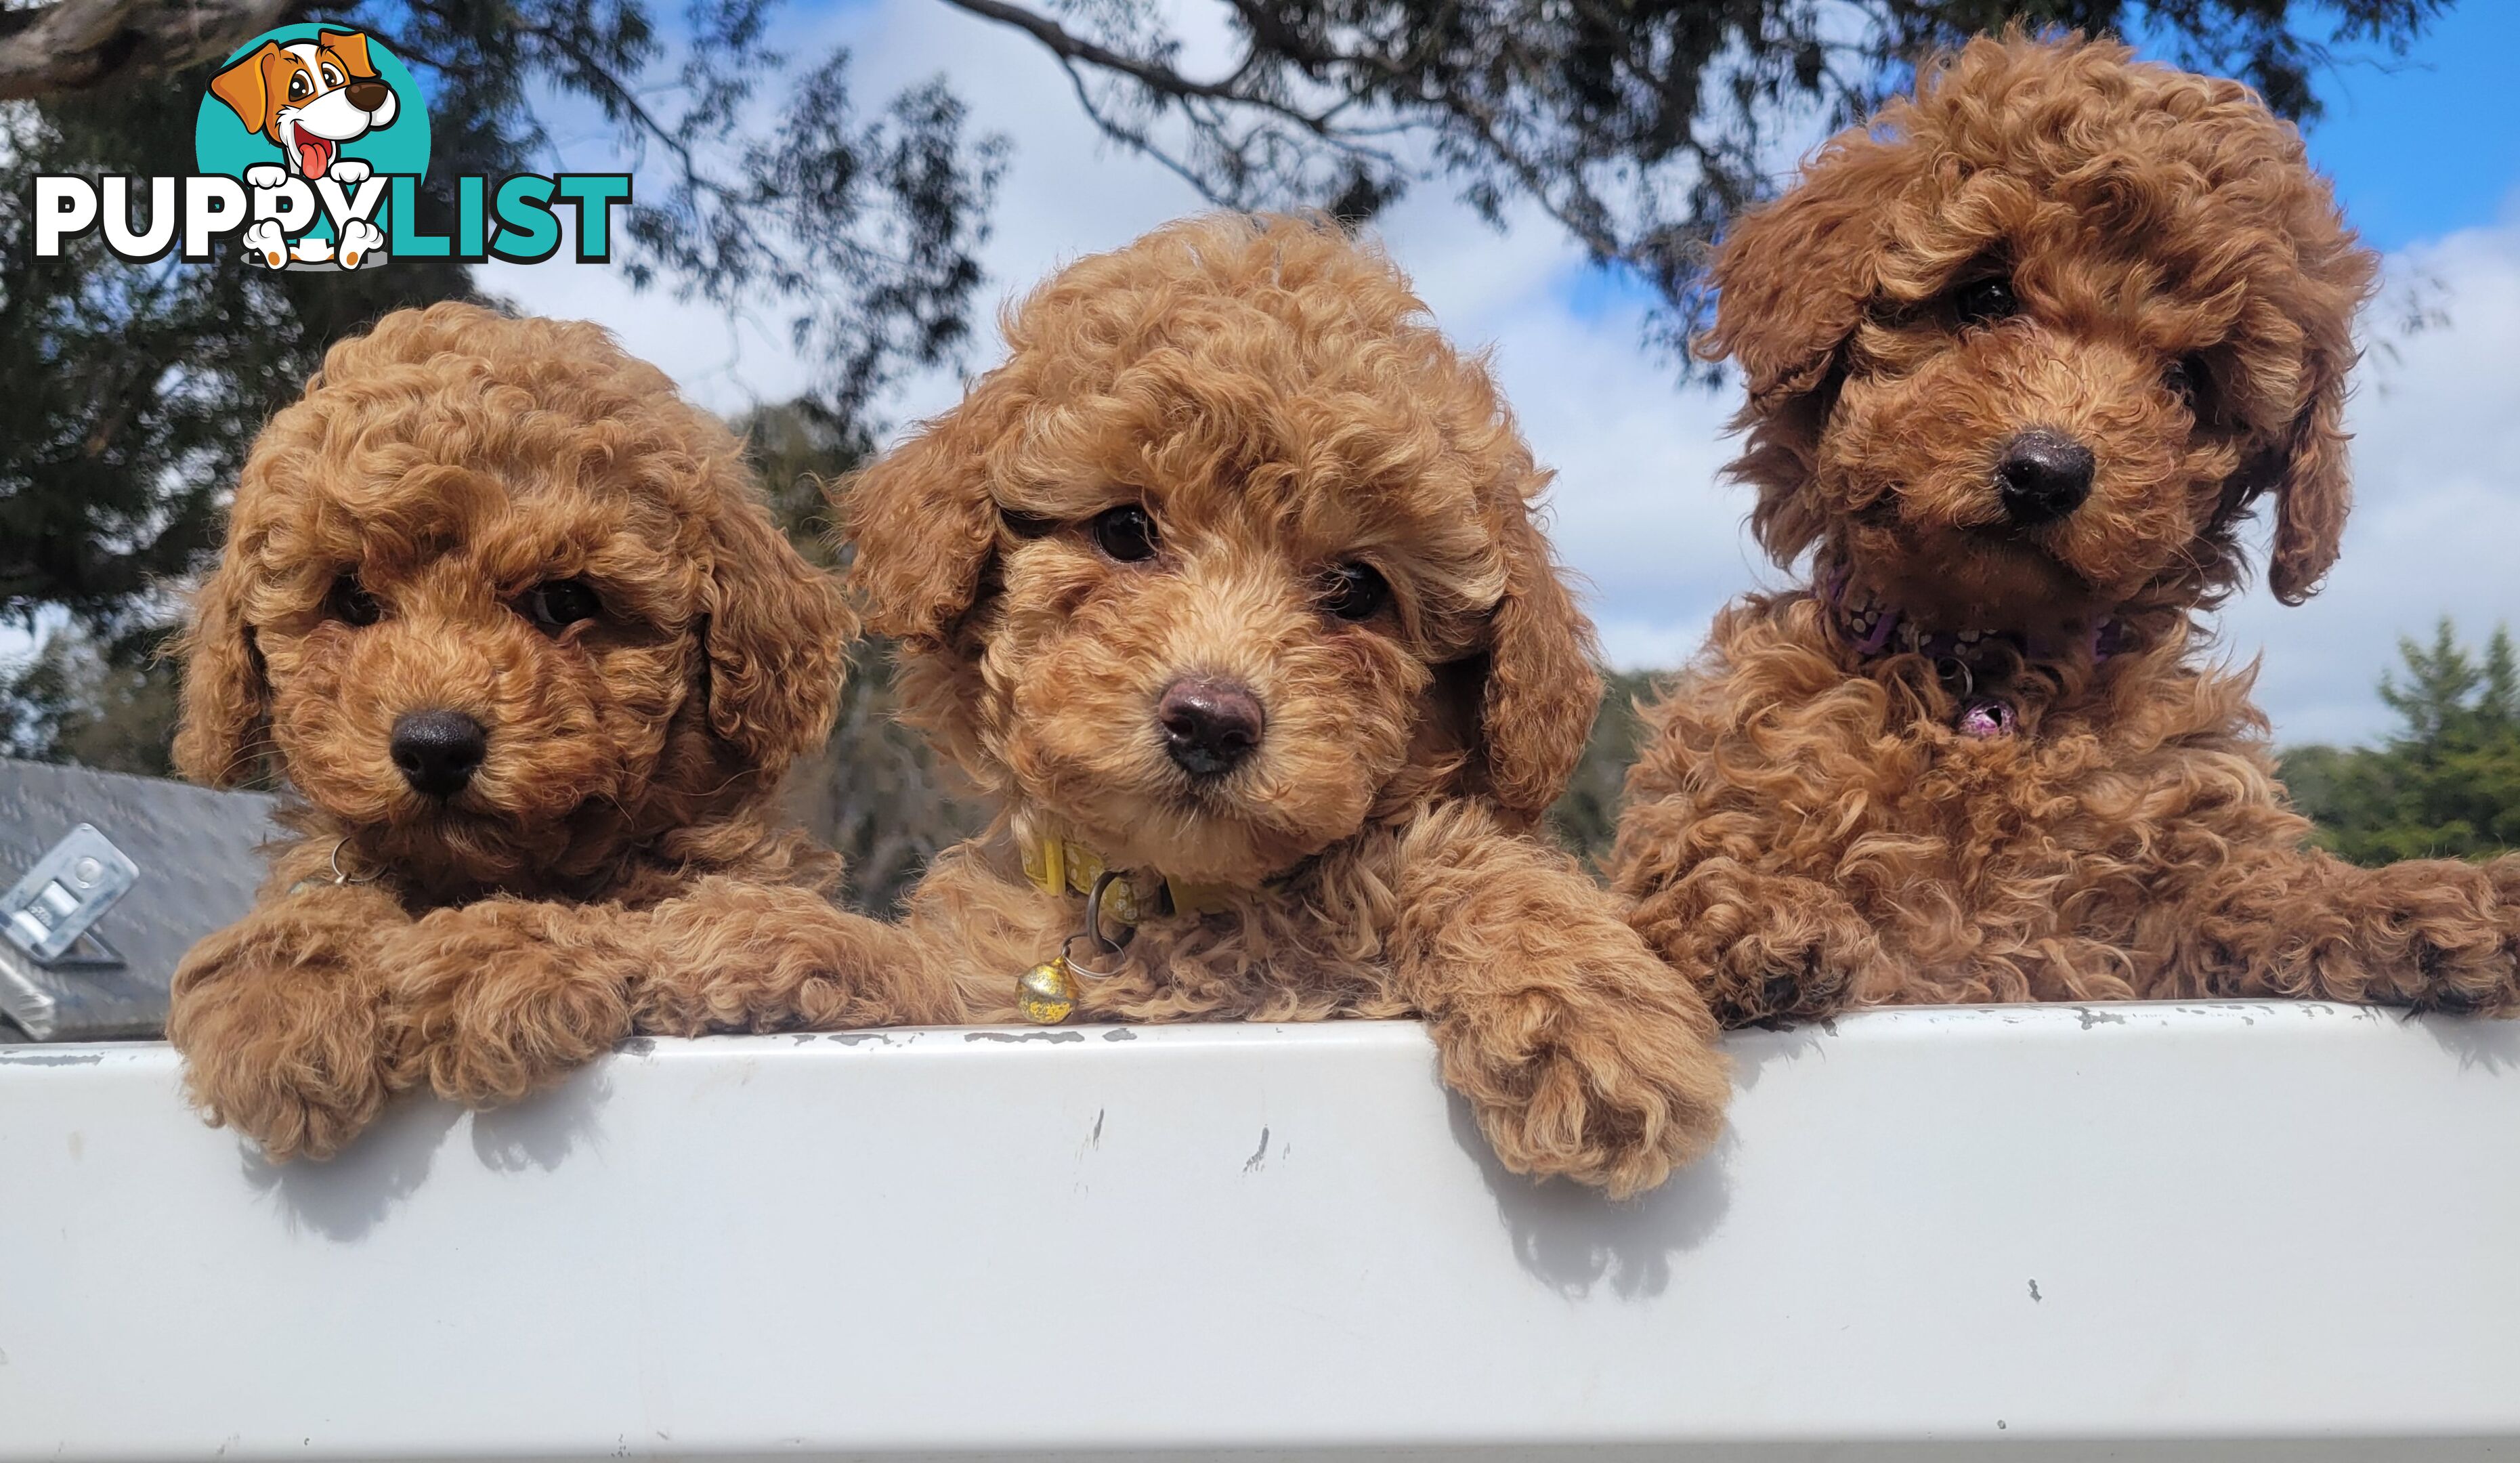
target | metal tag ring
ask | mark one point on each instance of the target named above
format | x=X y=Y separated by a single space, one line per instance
x=339 y=878
x=1077 y=966
x=1092 y=931
x=1094 y=912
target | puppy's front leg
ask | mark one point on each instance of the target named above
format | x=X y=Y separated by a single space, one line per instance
x=736 y=956
x=279 y=1018
x=495 y=1000
x=491 y=1001
x=2436 y=934
x=1762 y=946
x=1581 y=1053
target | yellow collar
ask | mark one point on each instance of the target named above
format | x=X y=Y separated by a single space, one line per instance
x=1059 y=865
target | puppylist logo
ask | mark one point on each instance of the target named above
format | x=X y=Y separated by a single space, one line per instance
x=310 y=151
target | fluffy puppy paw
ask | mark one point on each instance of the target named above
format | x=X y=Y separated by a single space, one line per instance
x=2471 y=970
x=1613 y=1094
x=300 y=1082
x=1763 y=950
x=282 y=1038
x=492 y=1002
x=1770 y=983
x=732 y=956
x=2435 y=936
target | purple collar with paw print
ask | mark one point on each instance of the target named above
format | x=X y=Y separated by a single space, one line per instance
x=1875 y=628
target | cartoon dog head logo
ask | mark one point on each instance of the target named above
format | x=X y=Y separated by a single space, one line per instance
x=324 y=125
x=309 y=97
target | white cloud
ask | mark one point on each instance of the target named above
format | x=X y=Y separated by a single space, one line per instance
x=1637 y=509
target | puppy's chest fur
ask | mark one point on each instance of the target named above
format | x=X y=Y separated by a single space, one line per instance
x=2065 y=855
x=1297 y=951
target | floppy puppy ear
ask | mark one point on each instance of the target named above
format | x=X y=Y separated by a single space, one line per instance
x=924 y=528
x=2313 y=486
x=1792 y=282
x=1542 y=691
x=352 y=46
x=2313 y=496
x=242 y=87
x=226 y=697
x=1790 y=286
x=2322 y=288
x=776 y=634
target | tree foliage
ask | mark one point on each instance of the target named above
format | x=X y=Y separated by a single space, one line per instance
x=2447 y=782
x=1639 y=126
x=876 y=792
x=76 y=700
x=1585 y=818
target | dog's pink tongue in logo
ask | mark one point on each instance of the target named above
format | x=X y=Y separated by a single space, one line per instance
x=314 y=154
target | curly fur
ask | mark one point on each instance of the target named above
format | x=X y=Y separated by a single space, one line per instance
x=1807 y=828
x=1273 y=398
x=614 y=864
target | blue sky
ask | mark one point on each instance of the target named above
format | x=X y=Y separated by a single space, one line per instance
x=2425 y=152
x=2431 y=145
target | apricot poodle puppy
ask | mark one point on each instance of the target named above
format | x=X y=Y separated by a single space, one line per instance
x=1227 y=586
x=2021 y=353
x=506 y=614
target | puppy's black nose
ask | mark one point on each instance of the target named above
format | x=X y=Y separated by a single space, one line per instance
x=2044 y=477
x=438 y=751
x=368 y=96
x=1210 y=725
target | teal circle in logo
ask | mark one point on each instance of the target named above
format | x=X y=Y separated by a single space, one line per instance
x=250 y=107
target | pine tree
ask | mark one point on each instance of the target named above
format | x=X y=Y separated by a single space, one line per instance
x=2447 y=782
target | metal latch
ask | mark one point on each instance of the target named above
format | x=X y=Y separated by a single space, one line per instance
x=50 y=914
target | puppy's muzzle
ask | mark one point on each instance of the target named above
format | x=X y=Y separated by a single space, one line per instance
x=438 y=751
x=2044 y=477
x=1210 y=725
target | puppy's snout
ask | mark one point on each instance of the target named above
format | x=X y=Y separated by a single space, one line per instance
x=368 y=96
x=1211 y=724
x=438 y=751
x=2044 y=476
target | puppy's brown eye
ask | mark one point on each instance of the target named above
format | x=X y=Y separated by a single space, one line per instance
x=297 y=87
x=2185 y=379
x=352 y=604
x=556 y=603
x=1986 y=300
x=1126 y=533
x=1355 y=591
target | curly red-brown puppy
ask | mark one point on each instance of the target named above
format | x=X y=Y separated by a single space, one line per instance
x=2020 y=355
x=1228 y=581
x=506 y=614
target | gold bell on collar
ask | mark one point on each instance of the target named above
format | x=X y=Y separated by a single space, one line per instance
x=1046 y=993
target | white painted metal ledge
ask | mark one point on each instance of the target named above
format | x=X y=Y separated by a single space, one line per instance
x=2227 y=1231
